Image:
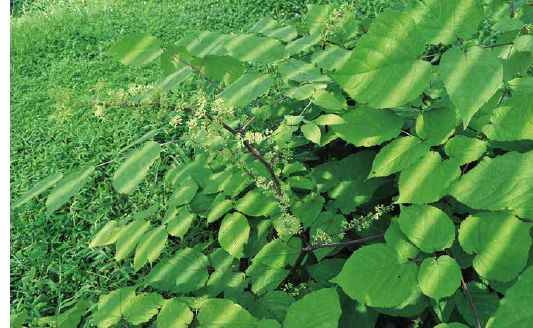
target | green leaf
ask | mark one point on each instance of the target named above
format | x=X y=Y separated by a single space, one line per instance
x=136 y=49
x=308 y=208
x=521 y=86
x=311 y=132
x=508 y=25
x=142 y=307
x=485 y=301
x=18 y=319
x=183 y=194
x=377 y=265
x=444 y=21
x=150 y=247
x=451 y=325
x=304 y=91
x=524 y=43
x=398 y=155
x=303 y=43
x=223 y=313
x=179 y=224
x=270 y=27
x=435 y=126
x=330 y=101
x=233 y=234
x=203 y=43
x=398 y=242
x=478 y=72
x=439 y=278
x=174 y=314
x=219 y=207
x=382 y=71
x=317 y=16
x=184 y=272
x=513 y=310
x=278 y=253
x=463 y=149
x=503 y=182
x=264 y=278
x=300 y=71
x=500 y=242
x=428 y=227
x=107 y=235
x=67 y=187
x=366 y=127
x=221 y=68
x=38 y=189
x=173 y=79
x=256 y=203
x=69 y=318
x=256 y=49
x=331 y=58
x=320 y=308
x=427 y=180
x=129 y=237
x=134 y=169
x=246 y=89
x=111 y=307
x=512 y=121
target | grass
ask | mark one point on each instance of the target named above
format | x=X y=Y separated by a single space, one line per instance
x=57 y=63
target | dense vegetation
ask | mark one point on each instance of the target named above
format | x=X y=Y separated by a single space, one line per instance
x=332 y=171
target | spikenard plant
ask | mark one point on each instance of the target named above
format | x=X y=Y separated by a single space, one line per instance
x=352 y=175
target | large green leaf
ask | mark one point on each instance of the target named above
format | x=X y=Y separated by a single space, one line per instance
x=246 y=89
x=308 y=208
x=150 y=247
x=319 y=309
x=436 y=125
x=222 y=313
x=478 y=72
x=134 y=169
x=399 y=243
x=439 y=278
x=463 y=149
x=233 y=234
x=303 y=43
x=256 y=203
x=377 y=265
x=179 y=224
x=444 y=21
x=183 y=194
x=108 y=234
x=184 y=272
x=67 y=187
x=331 y=58
x=203 y=43
x=512 y=121
x=503 y=182
x=136 y=49
x=500 y=242
x=174 y=314
x=383 y=70
x=256 y=49
x=129 y=237
x=426 y=226
x=300 y=71
x=38 y=189
x=111 y=307
x=267 y=26
x=221 y=68
x=142 y=307
x=427 y=180
x=317 y=15
x=485 y=301
x=398 y=155
x=368 y=127
x=515 y=307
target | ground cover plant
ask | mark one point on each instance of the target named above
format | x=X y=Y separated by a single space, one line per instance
x=339 y=171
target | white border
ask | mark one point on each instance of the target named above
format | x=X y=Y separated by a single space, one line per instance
x=4 y=162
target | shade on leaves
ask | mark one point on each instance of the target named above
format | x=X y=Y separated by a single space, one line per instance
x=427 y=227
x=111 y=307
x=174 y=314
x=384 y=70
x=134 y=169
x=256 y=203
x=142 y=307
x=439 y=278
x=255 y=49
x=512 y=121
x=477 y=72
x=320 y=308
x=463 y=149
x=246 y=89
x=150 y=247
x=500 y=243
x=136 y=49
x=398 y=155
x=220 y=313
x=67 y=187
x=233 y=234
x=129 y=237
x=368 y=127
x=377 y=265
x=502 y=182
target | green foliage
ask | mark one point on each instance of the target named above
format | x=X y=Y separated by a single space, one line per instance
x=298 y=169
